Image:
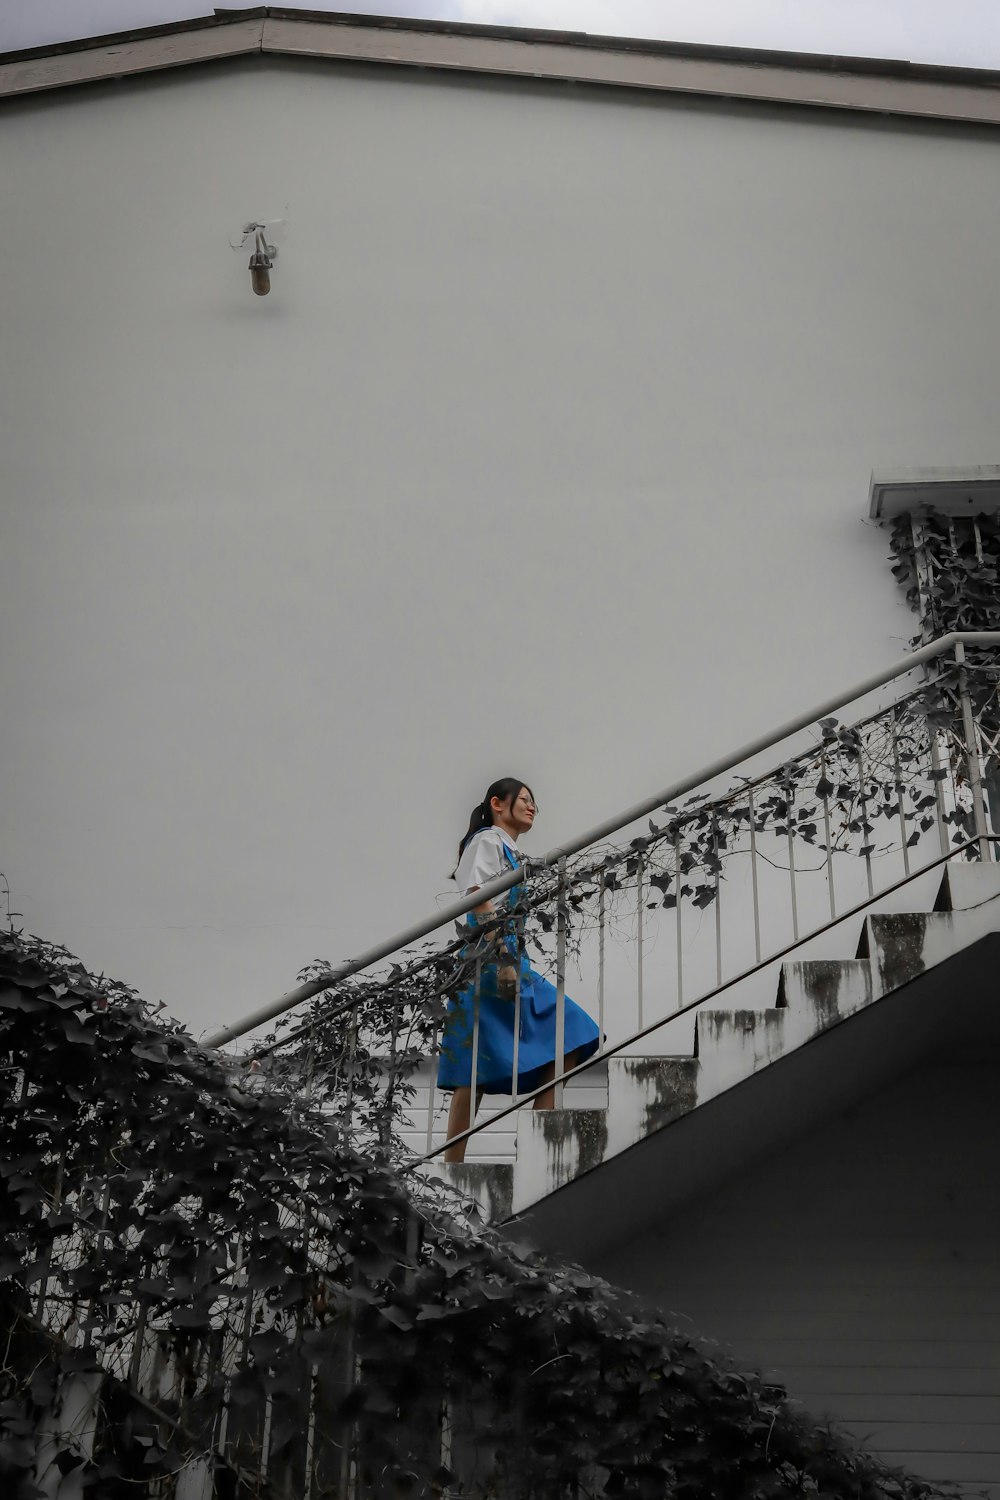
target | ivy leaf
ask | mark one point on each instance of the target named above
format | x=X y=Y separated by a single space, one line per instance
x=149 y=1052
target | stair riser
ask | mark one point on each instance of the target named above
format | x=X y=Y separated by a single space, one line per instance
x=902 y=947
x=555 y=1146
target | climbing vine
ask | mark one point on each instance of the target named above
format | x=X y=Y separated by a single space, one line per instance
x=214 y=1271
x=949 y=570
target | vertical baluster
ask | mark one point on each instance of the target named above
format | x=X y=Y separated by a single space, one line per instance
x=863 y=805
x=898 y=773
x=678 y=922
x=311 y=1058
x=718 y=901
x=349 y=1067
x=446 y=1434
x=345 y=1490
x=972 y=761
x=828 y=837
x=265 y=1438
x=753 y=875
x=924 y=564
x=941 y=766
x=57 y=1196
x=391 y=1092
x=950 y=776
x=561 y=926
x=230 y=1359
x=941 y=771
x=432 y=1090
x=474 y=1066
x=601 y=899
x=790 y=799
x=138 y=1338
x=518 y=926
x=310 y=1452
x=516 y=1059
x=640 y=912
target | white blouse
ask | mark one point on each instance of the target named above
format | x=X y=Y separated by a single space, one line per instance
x=483 y=858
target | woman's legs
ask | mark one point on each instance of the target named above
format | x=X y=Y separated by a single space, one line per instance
x=547 y=1100
x=458 y=1120
x=458 y=1114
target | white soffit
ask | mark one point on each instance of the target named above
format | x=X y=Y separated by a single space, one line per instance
x=954 y=492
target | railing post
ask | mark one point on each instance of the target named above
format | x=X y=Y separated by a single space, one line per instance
x=790 y=831
x=561 y=924
x=972 y=758
x=753 y=875
x=602 y=899
x=515 y=1064
x=639 y=934
x=432 y=1090
x=867 y=832
x=351 y=1060
x=474 y=1065
x=828 y=837
x=898 y=773
x=717 y=859
x=679 y=919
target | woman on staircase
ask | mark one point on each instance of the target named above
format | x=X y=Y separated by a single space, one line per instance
x=488 y=849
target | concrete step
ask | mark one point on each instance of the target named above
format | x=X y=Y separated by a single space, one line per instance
x=555 y=1146
x=648 y=1094
x=965 y=885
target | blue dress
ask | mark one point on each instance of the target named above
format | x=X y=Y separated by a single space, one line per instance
x=537 y=1044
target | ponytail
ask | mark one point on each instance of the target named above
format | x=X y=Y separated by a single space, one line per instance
x=482 y=815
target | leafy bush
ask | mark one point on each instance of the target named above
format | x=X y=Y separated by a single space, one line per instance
x=212 y=1250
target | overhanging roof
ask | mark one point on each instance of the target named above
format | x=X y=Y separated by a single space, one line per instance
x=952 y=492
x=882 y=86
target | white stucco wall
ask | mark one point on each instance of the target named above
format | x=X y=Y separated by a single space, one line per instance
x=548 y=452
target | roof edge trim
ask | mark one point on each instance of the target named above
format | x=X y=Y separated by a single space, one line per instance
x=917 y=90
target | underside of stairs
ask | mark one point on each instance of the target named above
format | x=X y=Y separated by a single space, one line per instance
x=750 y=1075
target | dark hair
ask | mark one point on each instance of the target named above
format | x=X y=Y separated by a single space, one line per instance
x=482 y=816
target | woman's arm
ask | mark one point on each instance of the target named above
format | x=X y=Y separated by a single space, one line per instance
x=505 y=960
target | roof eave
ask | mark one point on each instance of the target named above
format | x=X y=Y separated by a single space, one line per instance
x=872 y=85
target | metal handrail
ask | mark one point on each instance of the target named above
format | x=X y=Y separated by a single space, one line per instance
x=457 y=909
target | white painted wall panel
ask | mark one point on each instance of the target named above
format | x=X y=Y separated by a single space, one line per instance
x=860 y=1268
x=549 y=451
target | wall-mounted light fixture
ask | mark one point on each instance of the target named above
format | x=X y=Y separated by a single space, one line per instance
x=261 y=264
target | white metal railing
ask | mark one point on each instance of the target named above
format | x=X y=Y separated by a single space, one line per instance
x=601 y=906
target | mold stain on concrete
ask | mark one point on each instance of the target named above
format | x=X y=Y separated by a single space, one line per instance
x=824 y=981
x=491 y=1184
x=673 y=1083
x=900 y=944
x=576 y=1141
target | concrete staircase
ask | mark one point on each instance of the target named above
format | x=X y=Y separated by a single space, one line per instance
x=649 y=1095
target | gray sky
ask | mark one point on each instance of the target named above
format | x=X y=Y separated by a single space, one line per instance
x=962 y=32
